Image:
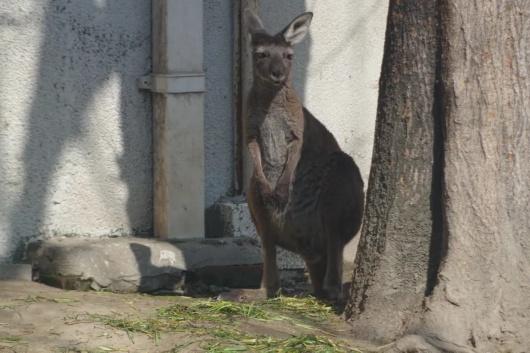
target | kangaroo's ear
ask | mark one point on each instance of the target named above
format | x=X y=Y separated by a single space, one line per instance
x=298 y=28
x=253 y=22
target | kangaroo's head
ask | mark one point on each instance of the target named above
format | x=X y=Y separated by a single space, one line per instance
x=273 y=54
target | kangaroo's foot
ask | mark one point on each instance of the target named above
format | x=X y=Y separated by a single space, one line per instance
x=333 y=292
x=333 y=277
x=317 y=271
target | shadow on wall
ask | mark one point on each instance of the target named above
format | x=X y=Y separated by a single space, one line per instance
x=85 y=46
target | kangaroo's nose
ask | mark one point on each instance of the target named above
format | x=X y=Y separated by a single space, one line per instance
x=277 y=75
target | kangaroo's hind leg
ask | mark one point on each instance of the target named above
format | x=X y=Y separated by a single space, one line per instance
x=341 y=206
x=317 y=272
x=270 y=279
x=333 y=275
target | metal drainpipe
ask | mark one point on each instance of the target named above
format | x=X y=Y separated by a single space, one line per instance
x=242 y=84
x=178 y=87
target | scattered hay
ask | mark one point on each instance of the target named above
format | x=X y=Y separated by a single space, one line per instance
x=305 y=307
x=149 y=327
x=10 y=342
x=232 y=309
x=40 y=299
x=230 y=340
x=213 y=311
x=214 y=321
x=100 y=349
x=10 y=339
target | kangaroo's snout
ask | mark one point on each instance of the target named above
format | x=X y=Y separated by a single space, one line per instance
x=273 y=54
x=278 y=75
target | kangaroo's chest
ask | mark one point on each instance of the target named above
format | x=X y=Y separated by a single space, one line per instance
x=275 y=137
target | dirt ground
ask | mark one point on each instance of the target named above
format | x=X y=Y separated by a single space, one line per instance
x=35 y=318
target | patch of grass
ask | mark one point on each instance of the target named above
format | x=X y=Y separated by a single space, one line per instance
x=215 y=323
x=178 y=316
x=231 y=309
x=231 y=340
x=31 y=299
x=100 y=349
x=10 y=339
x=10 y=342
x=104 y=349
x=150 y=327
x=306 y=307
x=212 y=311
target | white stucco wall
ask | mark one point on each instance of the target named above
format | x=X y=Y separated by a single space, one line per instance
x=337 y=66
x=75 y=132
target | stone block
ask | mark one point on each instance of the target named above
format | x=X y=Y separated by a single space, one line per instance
x=128 y=264
x=230 y=217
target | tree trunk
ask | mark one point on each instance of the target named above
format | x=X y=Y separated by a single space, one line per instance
x=444 y=255
x=392 y=265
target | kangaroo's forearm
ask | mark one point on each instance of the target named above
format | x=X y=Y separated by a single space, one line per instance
x=255 y=155
x=293 y=155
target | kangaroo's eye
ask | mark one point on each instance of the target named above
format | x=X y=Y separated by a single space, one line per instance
x=289 y=56
x=262 y=54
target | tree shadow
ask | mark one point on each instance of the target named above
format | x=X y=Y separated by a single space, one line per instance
x=87 y=47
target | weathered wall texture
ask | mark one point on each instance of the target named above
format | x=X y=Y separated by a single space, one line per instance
x=75 y=132
x=337 y=66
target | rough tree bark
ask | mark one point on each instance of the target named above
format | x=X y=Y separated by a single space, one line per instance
x=444 y=256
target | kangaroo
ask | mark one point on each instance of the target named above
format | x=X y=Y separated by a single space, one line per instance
x=305 y=194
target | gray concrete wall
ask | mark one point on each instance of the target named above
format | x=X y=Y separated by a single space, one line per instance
x=218 y=110
x=75 y=132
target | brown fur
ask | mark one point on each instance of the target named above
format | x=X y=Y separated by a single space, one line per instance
x=305 y=194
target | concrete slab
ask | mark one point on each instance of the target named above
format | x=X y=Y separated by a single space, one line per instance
x=128 y=264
